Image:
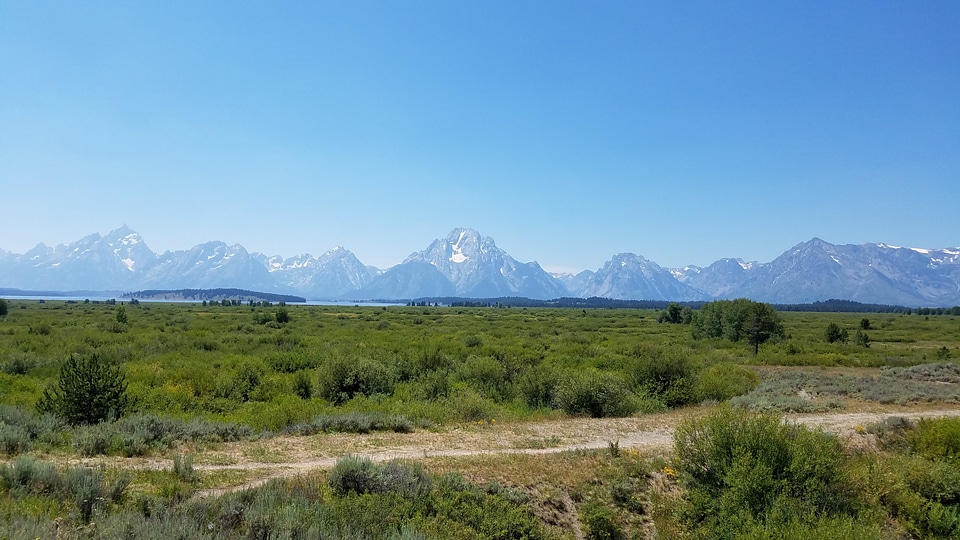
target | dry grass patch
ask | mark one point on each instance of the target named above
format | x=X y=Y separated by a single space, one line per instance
x=561 y=469
x=227 y=478
x=273 y=451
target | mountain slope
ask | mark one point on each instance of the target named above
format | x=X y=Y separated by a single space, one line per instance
x=209 y=266
x=874 y=273
x=331 y=275
x=477 y=268
x=93 y=262
x=413 y=279
x=631 y=277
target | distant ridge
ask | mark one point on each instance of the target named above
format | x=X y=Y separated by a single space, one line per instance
x=216 y=295
x=77 y=294
x=466 y=264
x=829 y=306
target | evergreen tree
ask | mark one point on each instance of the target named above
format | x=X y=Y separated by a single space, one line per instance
x=122 y=315
x=3 y=308
x=89 y=391
x=834 y=333
x=761 y=324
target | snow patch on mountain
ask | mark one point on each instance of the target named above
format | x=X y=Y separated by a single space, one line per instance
x=458 y=256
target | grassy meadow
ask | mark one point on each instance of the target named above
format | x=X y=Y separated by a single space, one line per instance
x=202 y=378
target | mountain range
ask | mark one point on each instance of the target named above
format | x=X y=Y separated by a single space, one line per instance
x=469 y=265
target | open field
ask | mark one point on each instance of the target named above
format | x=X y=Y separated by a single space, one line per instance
x=228 y=398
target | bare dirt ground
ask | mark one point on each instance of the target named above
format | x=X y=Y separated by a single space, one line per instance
x=650 y=434
x=247 y=464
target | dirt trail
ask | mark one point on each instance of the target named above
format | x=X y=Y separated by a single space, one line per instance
x=291 y=456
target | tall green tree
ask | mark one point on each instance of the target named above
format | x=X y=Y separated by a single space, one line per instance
x=673 y=314
x=736 y=320
x=762 y=323
x=89 y=391
x=3 y=308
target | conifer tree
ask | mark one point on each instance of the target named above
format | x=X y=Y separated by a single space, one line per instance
x=89 y=391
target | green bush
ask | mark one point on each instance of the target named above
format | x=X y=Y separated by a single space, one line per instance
x=600 y=522
x=85 y=487
x=923 y=495
x=354 y=474
x=302 y=386
x=18 y=364
x=465 y=404
x=742 y=468
x=594 y=393
x=668 y=378
x=342 y=378
x=723 y=381
x=936 y=439
x=486 y=375
x=537 y=386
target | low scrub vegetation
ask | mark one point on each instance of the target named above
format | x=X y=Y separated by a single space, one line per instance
x=178 y=377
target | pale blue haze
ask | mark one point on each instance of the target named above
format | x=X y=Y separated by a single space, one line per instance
x=567 y=131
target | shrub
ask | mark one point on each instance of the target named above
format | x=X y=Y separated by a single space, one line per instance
x=537 y=385
x=485 y=374
x=936 y=439
x=90 y=390
x=723 y=381
x=20 y=427
x=923 y=495
x=183 y=468
x=405 y=478
x=42 y=329
x=86 y=487
x=18 y=364
x=27 y=475
x=666 y=377
x=302 y=386
x=465 y=404
x=740 y=468
x=353 y=422
x=343 y=378
x=13 y=439
x=354 y=474
x=93 y=440
x=594 y=393
x=600 y=522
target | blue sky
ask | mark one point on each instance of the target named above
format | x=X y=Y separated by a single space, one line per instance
x=567 y=131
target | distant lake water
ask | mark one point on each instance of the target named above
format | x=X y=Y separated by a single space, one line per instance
x=119 y=299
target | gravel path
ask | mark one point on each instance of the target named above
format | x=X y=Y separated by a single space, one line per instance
x=649 y=434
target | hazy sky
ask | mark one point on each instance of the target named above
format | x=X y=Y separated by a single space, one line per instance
x=567 y=131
